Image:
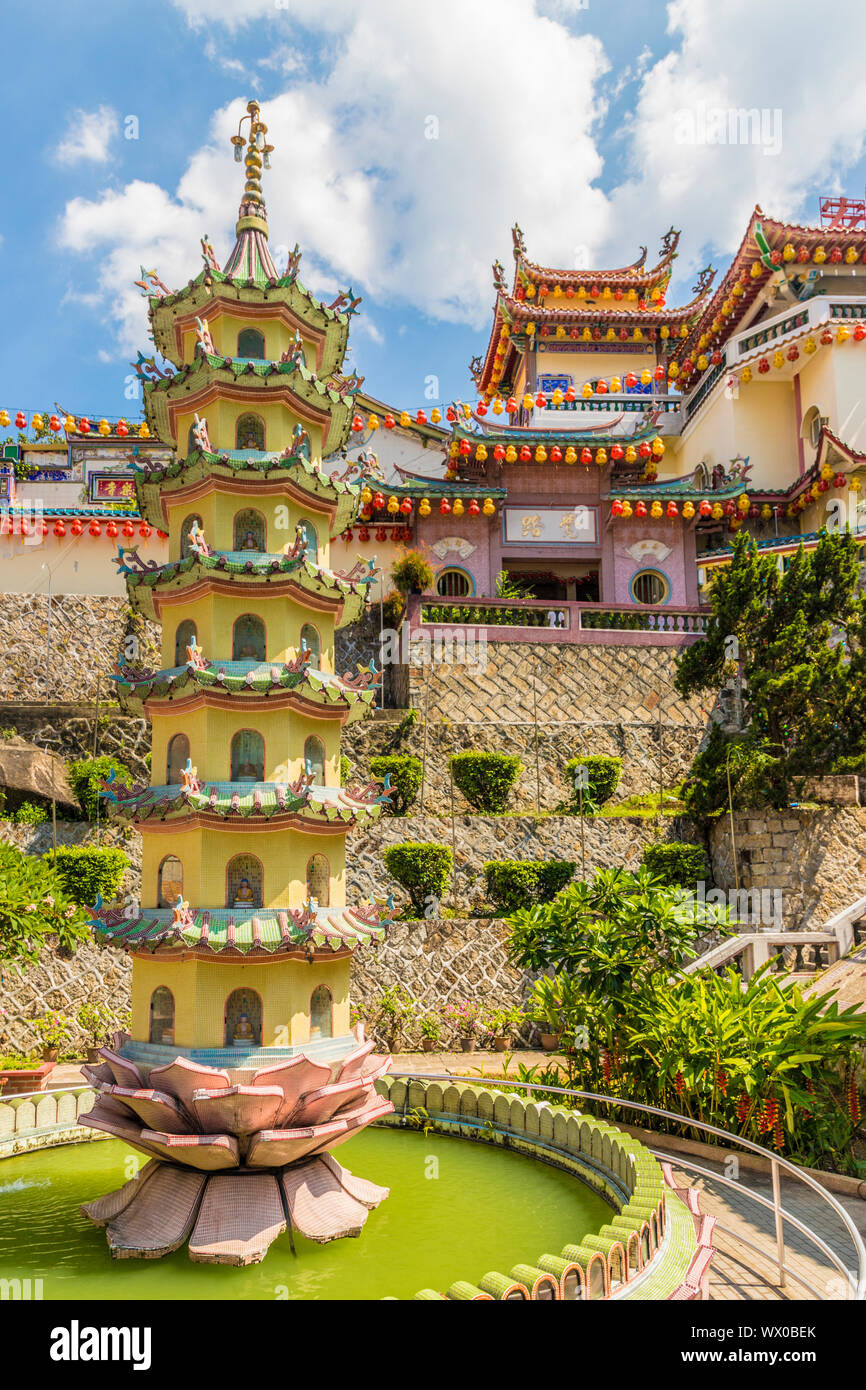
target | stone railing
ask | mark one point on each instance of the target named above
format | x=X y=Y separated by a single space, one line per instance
x=792 y=951
x=507 y=620
x=44 y=1118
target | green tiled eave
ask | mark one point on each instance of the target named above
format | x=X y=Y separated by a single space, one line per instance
x=318 y=687
x=310 y=578
x=502 y=434
x=680 y=488
x=441 y=487
x=230 y=929
x=210 y=285
x=667 y=1274
x=260 y=801
x=326 y=486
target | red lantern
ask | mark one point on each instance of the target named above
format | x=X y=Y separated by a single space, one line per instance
x=705 y=508
x=357 y=424
x=569 y=392
x=556 y=454
x=660 y=373
x=444 y=506
x=671 y=509
x=481 y=409
x=754 y=512
x=128 y=529
x=826 y=337
x=54 y=424
x=859 y=333
x=381 y=533
x=793 y=353
x=542 y=291
x=499 y=452
x=836 y=255
x=122 y=429
x=541 y=401
x=363 y=533
x=601 y=388
x=407 y=533
x=59 y=529
x=511 y=406
x=803 y=255
x=76 y=528
x=473 y=509
x=144 y=531
x=421 y=418
x=839 y=480
x=630 y=381
x=644 y=449
x=616 y=508
x=586 y=456
x=823 y=486
x=525 y=454
x=348 y=536
x=763 y=365
x=640 y=509
x=378 y=500
x=406 y=506
x=111 y=530
x=730 y=508
x=389 y=421
x=616 y=452
x=21 y=420
x=451 y=414
x=94 y=528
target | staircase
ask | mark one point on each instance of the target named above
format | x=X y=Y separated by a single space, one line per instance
x=793 y=953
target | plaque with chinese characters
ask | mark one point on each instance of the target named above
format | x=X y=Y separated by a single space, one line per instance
x=551 y=525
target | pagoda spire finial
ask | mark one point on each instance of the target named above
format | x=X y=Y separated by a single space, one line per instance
x=253 y=149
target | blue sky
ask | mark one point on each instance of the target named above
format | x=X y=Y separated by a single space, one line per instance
x=556 y=113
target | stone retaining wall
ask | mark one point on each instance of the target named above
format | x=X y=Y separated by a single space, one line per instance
x=93 y=975
x=63 y=648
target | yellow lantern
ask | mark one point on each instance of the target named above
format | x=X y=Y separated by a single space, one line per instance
x=646 y=377
x=530 y=291
x=615 y=384
x=746 y=375
x=756 y=271
x=393 y=505
x=738 y=291
x=4 y=417
x=458 y=508
x=511 y=454
x=367 y=496
x=855 y=485
x=638 y=335
x=814 y=492
x=557 y=396
x=36 y=422
x=104 y=427
x=505 y=331
x=467 y=411
x=424 y=506
x=372 y=422
x=560 y=330
x=656 y=294
x=541 y=454
x=820 y=255
x=809 y=346
x=453 y=449
x=530 y=330
x=766 y=512
x=607 y=292
x=527 y=402
x=601 y=457
x=68 y=423
x=610 y=335
x=586 y=335
x=586 y=390
x=658 y=447
x=481 y=452
x=688 y=510
x=630 y=453
x=827 y=473
x=703 y=362
x=626 y=509
x=435 y=416
x=404 y=418
x=143 y=431
x=632 y=295
x=788 y=251
x=842 y=333
x=557 y=291
x=778 y=359
x=851 y=255
x=656 y=510
x=664 y=331
x=743 y=503
x=684 y=330
x=718 y=511
x=497 y=406
x=581 y=291
x=488 y=507
x=571 y=454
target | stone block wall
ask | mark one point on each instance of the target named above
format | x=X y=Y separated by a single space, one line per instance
x=60 y=650
x=93 y=975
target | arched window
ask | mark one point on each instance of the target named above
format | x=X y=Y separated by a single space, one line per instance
x=169 y=881
x=161 y=1027
x=248 y=757
x=312 y=641
x=321 y=1013
x=183 y=638
x=251 y=343
x=176 y=760
x=249 y=530
x=319 y=880
x=810 y=430
x=648 y=586
x=453 y=584
x=244 y=882
x=312 y=536
x=314 y=759
x=243 y=1019
x=248 y=638
x=185 y=544
x=250 y=432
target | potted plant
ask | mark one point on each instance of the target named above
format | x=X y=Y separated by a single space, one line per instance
x=464 y=1017
x=546 y=1012
x=97 y=1022
x=502 y=1024
x=53 y=1030
x=431 y=1031
x=393 y=1014
x=20 y=1075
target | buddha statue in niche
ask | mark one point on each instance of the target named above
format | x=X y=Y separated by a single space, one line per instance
x=244 y=897
x=244 y=1034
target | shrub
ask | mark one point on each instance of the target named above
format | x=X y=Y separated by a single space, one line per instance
x=97 y=1021
x=86 y=870
x=515 y=883
x=486 y=779
x=86 y=775
x=602 y=774
x=423 y=870
x=405 y=779
x=30 y=813
x=412 y=573
x=393 y=608
x=34 y=905
x=854 y=762
x=677 y=863
x=347 y=768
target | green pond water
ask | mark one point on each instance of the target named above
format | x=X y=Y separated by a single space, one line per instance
x=457 y=1209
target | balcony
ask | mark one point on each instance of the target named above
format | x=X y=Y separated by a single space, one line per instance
x=533 y=620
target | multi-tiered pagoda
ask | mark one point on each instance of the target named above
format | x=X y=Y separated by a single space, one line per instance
x=241 y=1059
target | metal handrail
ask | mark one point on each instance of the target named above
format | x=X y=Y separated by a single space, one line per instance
x=776 y=1162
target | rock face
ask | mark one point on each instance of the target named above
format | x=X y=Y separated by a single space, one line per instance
x=26 y=770
x=92 y=975
x=63 y=648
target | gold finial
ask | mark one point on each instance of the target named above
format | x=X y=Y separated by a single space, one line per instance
x=258 y=152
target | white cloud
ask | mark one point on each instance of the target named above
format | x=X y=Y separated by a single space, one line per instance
x=88 y=136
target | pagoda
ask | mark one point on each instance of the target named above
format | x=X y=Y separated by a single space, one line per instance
x=242 y=1071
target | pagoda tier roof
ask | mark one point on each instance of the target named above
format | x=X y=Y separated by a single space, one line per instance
x=635 y=275
x=150 y=585
x=784 y=544
x=327 y=403
x=528 y=434
x=252 y=932
x=775 y=235
x=312 y=691
x=250 y=471
x=296 y=804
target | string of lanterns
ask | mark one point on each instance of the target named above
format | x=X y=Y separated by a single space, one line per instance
x=529 y=290
x=735 y=510
x=376 y=501
x=31 y=526
x=510 y=453
x=53 y=424
x=780 y=358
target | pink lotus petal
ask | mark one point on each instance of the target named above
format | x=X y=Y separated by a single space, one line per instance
x=273 y=1148
x=181 y=1077
x=369 y=1194
x=125 y=1073
x=316 y=1107
x=159 y=1218
x=295 y=1077
x=98 y=1076
x=237 y=1109
x=239 y=1219
x=354 y=1061
x=208 y=1152
x=105 y=1209
x=319 y=1207
x=155 y=1109
x=355 y=1120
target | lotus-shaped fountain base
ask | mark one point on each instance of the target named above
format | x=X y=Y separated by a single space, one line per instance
x=236 y=1156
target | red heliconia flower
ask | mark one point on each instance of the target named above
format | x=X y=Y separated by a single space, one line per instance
x=853 y=1101
x=722 y=1081
x=744 y=1108
x=778 y=1135
x=605 y=1066
x=770 y=1115
x=679 y=1083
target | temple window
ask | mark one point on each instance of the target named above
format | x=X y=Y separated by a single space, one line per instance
x=648 y=586
x=311 y=640
x=248 y=757
x=250 y=531
x=183 y=638
x=251 y=343
x=312 y=537
x=176 y=759
x=161 y=1026
x=169 y=881
x=453 y=584
x=243 y=1019
x=185 y=544
x=250 y=432
x=321 y=1013
x=319 y=880
x=248 y=638
x=811 y=427
x=244 y=882
x=314 y=759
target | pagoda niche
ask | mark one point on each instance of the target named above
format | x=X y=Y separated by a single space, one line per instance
x=242 y=1071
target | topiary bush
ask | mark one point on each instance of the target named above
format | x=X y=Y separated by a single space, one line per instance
x=486 y=779
x=516 y=883
x=88 y=870
x=405 y=773
x=677 y=863
x=603 y=776
x=86 y=775
x=423 y=870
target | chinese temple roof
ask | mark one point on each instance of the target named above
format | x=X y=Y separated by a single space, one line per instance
x=631 y=275
x=298 y=802
x=250 y=932
x=320 y=690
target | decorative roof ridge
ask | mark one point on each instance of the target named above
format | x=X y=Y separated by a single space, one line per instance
x=152 y=573
x=287 y=367
x=530 y=432
x=334 y=928
x=275 y=675
x=667 y=255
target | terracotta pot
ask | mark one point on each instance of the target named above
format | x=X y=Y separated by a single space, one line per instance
x=50 y=1054
x=15 y=1083
x=550 y=1041
x=501 y=1044
x=429 y=1044
x=468 y=1044
x=93 y=1057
